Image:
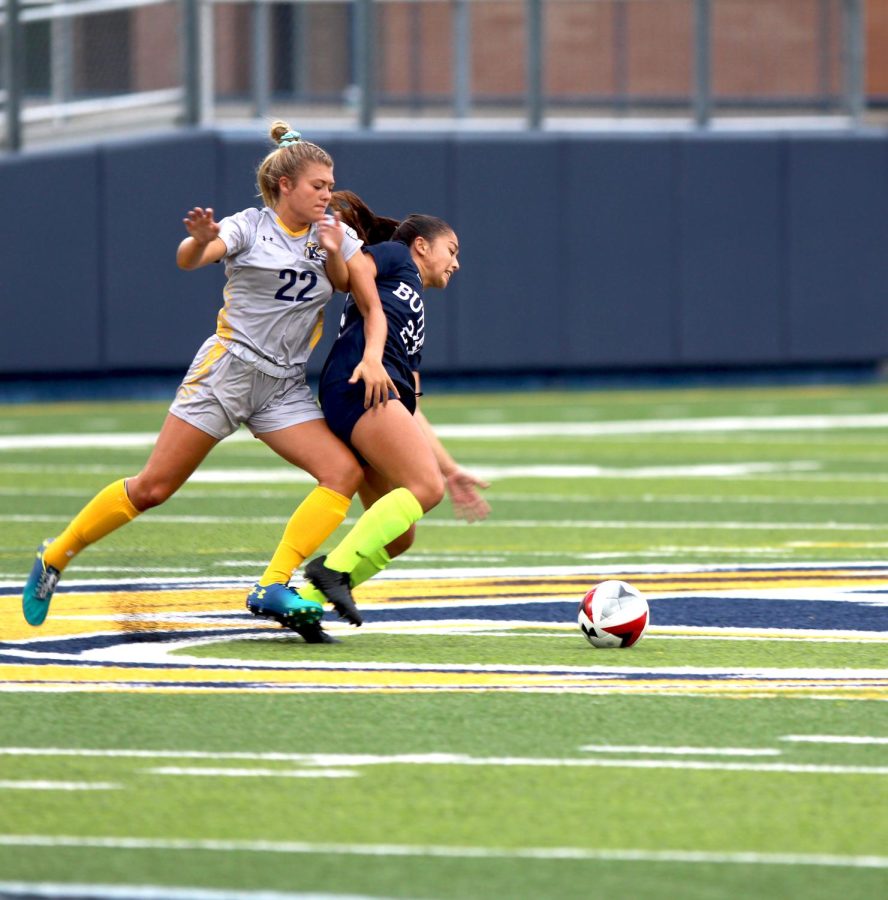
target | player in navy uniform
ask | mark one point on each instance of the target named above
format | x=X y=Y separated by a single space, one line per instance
x=406 y=468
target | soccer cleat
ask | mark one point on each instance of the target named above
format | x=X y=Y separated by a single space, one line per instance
x=39 y=588
x=336 y=587
x=283 y=604
x=314 y=634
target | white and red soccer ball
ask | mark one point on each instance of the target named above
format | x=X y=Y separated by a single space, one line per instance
x=614 y=614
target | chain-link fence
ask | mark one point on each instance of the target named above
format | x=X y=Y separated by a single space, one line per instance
x=97 y=66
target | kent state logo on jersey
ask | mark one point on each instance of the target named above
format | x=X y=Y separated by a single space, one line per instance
x=313 y=251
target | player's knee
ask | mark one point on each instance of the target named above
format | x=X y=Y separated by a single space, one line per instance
x=429 y=492
x=146 y=494
x=344 y=476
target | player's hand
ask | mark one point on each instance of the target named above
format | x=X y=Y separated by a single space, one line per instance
x=201 y=225
x=467 y=503
x=377 y=383
x=331 y=233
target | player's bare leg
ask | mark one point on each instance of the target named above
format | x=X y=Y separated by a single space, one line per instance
x=180 y=448
x=392 y=442
x=178 y=451
x=390 y=439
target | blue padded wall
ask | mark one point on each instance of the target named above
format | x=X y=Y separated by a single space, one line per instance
x=50 y=274
x=838 y=248
x=579 y=251
x=235 y=186
x=156 y=314
x=729 y=226
x=617 y=244
x=396 y=179
x=507 y=203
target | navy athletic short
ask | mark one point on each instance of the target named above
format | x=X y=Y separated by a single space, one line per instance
x=343 y=405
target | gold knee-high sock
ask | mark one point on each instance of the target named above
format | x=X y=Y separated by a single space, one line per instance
x=106 y=512
x=391 y=515
x=314 y=520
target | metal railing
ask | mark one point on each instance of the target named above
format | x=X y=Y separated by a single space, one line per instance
x=369 y=63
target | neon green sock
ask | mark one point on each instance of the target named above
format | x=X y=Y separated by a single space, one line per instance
x=369 y=566
x=363 y=571
x=388 y=518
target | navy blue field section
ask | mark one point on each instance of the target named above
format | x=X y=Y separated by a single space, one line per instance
x=125 y=639
x=864 y=613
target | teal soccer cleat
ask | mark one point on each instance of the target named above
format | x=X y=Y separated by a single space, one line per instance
x=39 y=588
x=283 y=604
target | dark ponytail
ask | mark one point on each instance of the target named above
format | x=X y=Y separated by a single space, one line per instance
x=417 y=225
x=373 y=229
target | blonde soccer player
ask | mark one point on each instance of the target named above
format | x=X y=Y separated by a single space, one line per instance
x=282 y=263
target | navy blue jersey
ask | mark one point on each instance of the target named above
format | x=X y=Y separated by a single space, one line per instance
x=400 y=290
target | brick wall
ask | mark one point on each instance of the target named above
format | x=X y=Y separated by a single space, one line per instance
x=593 y=49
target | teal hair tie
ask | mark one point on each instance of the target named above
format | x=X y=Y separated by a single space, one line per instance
x=291 y=137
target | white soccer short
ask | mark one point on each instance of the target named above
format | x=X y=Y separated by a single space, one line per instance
x=220 y=392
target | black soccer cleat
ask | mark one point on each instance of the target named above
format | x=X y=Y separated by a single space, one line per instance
x=336 y=587
x=314 y=634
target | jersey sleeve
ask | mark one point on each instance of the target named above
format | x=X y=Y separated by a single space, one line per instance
x=238 y=231
x=351 y=243
x=388 y=256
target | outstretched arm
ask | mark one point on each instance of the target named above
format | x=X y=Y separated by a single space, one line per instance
x=203 y=245
x=462 y=486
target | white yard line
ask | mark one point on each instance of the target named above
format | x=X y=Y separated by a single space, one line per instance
x=57 y=786
x=167 y=519
x=292 y=475
x=102 y=441
x=254 y=773
x=357 y=760
x=526 y=497
x=28 y=890
x=694 y=765
x=681 y=499
x=506 y=431
x=512 y=431
x=867 y=477
x=449 y=852
x=682 y=751
x=834 y=739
